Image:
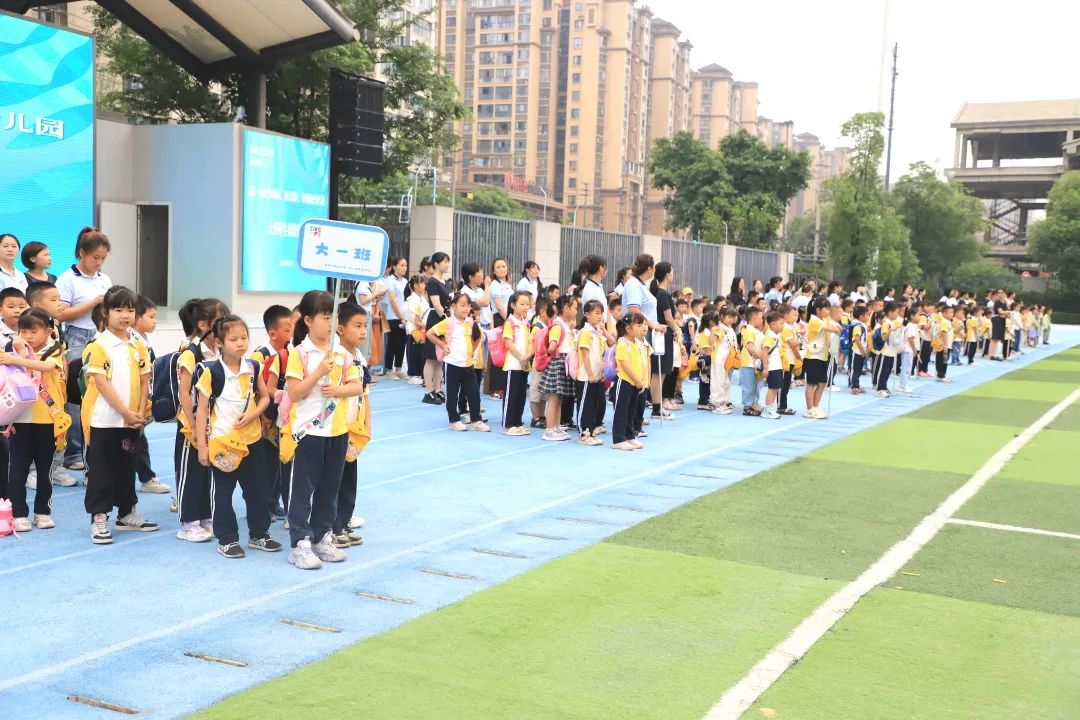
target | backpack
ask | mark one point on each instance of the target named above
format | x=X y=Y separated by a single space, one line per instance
x=17 y=393
x=611 y=372
x=878 y=340
x=217 y=377
x=76 y=378
x=7 y=519
x=571 y=358
x=165 y=394
x=496 y=344
x=282 y=357
x=541 y=356
x=846 y=337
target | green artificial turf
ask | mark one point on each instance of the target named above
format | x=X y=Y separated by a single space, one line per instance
x=916 y=444
x=909 y=656
x=975 y=410
x=1022 y=390
x=1068 y=420
x=813 y=517
x=1045 y=506
x=1039 y=572
x=1034 y=374
x=1052 y=456
x=609 y=632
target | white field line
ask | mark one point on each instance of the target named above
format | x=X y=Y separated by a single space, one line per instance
x=768 y=670
x=1013 y=528
x=325 y=577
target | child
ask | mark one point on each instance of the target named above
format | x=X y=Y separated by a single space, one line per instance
x=541 y=316
x=228 y=434
x=816 y=363
x=843 y=362
x=456 y=337
x=117 y=368
x=631 y=382
x=724 y=345
x=45 y=296
x=555 y=383
x=145 y=323
x=790 y=355
x=271 y=359
x=477 y=362
x=352 y=329
x=836 y=315
x=971 y=334
x=519 y=350
x=1046 y=323
x=416 y=307
x=858 y=348
x=703 y=346
x=774 y=370
x=943 y=339
x=890 y=332
x=926 y=334
x=590 y=375
x=40 y=426
x=752 y=355
x=910 y=344
x=12 y=305
x=192 y=478
x=315 y=439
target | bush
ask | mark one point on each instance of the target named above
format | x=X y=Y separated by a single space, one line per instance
x=1061 y=301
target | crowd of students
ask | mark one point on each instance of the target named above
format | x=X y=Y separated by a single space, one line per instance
x=286 y=421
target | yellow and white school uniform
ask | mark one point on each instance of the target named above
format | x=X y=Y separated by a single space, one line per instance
x=817 y=342
x=592 y=341
x=304 y=359
x=237 y=397
x=460 y=341
x=516 y=333
x=787 y=356
x=627 y=354
x=751 y=337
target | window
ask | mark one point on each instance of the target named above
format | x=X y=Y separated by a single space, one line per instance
x=505 y=57
x=484 y=128
x=523 y=73
x=577 y=61
x=519 y=162
x=545 y=76
x=573 y=131
x=501 y=146
x=577 y=43
x=573 y=166
x=466 y=128
x=523 y=107
x=503 y=110
x=451 y=39
x=573 y=148
x=485 y=75
x=524 y=18
x=579 y=24
x=576 y=96
x=592 y=16
x=575 y=114
x=483 y=146
x=541 y=145
x=575 y=78
x=571 y=183
x=523 y=36
x=523 y=54
x=519 y=145
x=542 y=129
x=502 y=128
x=523 y=90
x=485 y=110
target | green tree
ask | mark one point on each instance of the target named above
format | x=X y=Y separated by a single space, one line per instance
x=799 y=234
x=1055 y=241
x=979 y=275
x=865 y=233
x=298 y=88
x=693 y=176
x=942 y=219
x=494 y=201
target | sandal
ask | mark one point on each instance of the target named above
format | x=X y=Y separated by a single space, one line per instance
x=786 y=411
x=751 y=412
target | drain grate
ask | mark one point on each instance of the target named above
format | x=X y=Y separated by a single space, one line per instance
x=448 y=574
x=104 y=705
x=582 y=521
x=500 y=553
x=650 y=495
x=384 y=598
x=677 y=485
x=218 y=660
x=542 y=536
x=624 y=507
x=308 y=626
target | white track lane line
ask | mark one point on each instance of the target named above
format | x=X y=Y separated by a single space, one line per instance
x=768 y=670
x=1013 y=528
x=325 y=577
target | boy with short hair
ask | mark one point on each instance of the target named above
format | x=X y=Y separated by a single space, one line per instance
x=271 y=358
x=146 y=323
x=751 y=355
x=858 y=348
x=772 y=364
x=943 y=339
x=12 y=306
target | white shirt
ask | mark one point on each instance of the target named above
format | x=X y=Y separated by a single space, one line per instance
x=364 y=288
x=775 y=354
x=14 y=279
x=458 y=351
x=950 y=301
x=353 y=410
x=394 y=286
x=834 y=299
x=530 y=286
x=104 y=415
x=775 y=294
x=857 y=297
x=311 y=405
x=503 y=291
x=230 y=405
x=415 y=308
x=911 y=331
x=520 y=340
x=475 y=294
x=76 y=289
x=800 y=301
x=593 y=290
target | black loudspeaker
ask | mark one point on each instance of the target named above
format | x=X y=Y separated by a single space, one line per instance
x=357 y=120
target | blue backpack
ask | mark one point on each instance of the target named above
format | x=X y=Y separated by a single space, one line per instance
x=165 y=393
x=878 y=340
x=845 y=337
x=217 y=377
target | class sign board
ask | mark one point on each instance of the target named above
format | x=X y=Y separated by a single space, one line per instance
x=347 y=251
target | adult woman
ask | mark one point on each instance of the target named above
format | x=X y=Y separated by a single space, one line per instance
x=438 y=291
x=499 y=292
x=737 y=296
x=593 y=269
x=530 y=281
x=835 y=289
x=638 y=299
x=393 y=303
x=82 y=288
x=620 y=282
x=9 y=276
x=759 y=287
x=37 y=260
x=663 y=377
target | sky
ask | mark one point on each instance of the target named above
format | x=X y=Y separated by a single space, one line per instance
x=818 y=62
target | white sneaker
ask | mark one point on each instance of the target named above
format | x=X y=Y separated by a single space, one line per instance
x=99 y=530
x=302 y=557
x=155 y=486
x=31 y=479
x=22 y=525
x=356 y=522
x=555 y=436
x=60 y=477
x=326 y=551
x=44 y=522
x=402 y=375
x=416 y=381
x=208 y=526
x=135 y=521
x=635 y=444
x=193 y=532
x=904 y=390
x=623 y=446
x=882 y=393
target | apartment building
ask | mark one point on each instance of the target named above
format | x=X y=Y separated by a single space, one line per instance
x=722 y=105
x=669 y=112
x=824 y=164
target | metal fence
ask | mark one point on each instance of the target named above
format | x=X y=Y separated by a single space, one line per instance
x=753 y=265
x=619 y=249
x=696 y=265
x=482 y=238
x=399 y=241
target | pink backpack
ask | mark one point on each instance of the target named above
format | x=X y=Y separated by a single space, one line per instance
x=496 y=346
x=541 y=358
x=7 y=521
x=17 y=393
x=570 y=358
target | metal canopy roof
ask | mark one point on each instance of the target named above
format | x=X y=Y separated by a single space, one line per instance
x=211 y=38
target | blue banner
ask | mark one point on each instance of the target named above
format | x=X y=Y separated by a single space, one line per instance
x=46 y=135
x=286 y=183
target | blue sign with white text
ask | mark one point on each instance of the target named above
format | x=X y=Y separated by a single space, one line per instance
x=286 y=183
x=46 y=135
